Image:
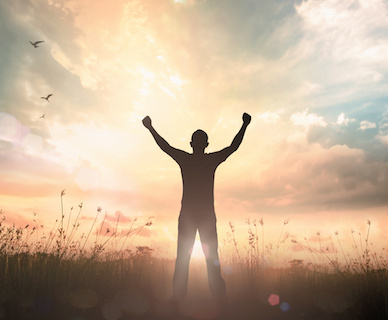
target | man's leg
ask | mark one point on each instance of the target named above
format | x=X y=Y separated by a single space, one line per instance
x=209 y=241
x=186 y=237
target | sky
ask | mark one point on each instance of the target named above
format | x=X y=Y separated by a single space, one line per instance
x=312 y=74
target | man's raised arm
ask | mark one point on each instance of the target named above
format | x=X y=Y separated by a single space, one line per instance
x=226 y=152
x=163 y=144
x=240 y=135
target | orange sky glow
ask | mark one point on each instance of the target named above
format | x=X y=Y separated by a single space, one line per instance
x=312 y=74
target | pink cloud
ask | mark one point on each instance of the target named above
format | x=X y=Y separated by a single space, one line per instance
x=104 y=229
x=118 y=216
x=146 y=232
x=12 y=218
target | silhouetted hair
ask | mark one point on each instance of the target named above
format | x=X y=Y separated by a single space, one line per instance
x=199 y=139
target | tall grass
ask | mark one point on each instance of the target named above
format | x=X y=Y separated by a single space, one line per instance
x=37 y=269
x=328 y=284
x=97 y=275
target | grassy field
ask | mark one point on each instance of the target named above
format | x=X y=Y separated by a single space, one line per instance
x=58 y=277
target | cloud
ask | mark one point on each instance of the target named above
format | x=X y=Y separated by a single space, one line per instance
x=342 y=119
x=104 y=229
x=347 y=27
x=345 y=48
x=314 y=178
x=344 y=130
x=30 y=174
x=146 y=232
x=365 y=125
x=308 y=88
x=119 y=216
x=383 y=139
x=307 y=119
x=17 y=220
x=269 y=117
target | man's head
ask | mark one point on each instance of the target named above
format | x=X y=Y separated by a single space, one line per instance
x=199 y=140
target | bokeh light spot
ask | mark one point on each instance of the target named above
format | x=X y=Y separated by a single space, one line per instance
x=273 y=299
x=284 y=306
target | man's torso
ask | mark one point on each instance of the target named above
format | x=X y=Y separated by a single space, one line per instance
x=198 y=173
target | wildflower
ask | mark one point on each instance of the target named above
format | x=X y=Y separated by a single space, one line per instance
x=99 y=209
x=63 y=192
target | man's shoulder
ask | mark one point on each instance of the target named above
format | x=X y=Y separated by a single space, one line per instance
x=220 y=155
x=179 y=155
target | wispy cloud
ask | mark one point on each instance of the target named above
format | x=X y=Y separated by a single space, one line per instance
x=365 y=125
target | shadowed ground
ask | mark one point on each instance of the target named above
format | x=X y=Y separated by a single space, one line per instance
x=141 y=289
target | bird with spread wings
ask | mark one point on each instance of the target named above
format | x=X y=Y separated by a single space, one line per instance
x=35 y=44
x=47 y=98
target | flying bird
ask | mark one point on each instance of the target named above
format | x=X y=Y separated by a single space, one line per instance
x=47 y=98
x=35 y=44
x=42 y=116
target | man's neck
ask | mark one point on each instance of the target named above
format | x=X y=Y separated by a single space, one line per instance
x=198 y=152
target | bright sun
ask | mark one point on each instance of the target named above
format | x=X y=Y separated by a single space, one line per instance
x=197 y=250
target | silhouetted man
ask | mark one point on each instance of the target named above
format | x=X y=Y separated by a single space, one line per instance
x=197 y=211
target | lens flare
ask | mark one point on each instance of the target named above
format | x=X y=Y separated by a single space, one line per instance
x=273 y=299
